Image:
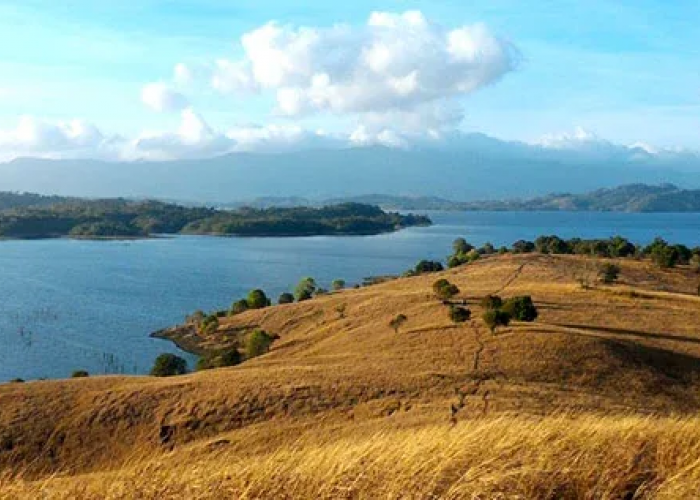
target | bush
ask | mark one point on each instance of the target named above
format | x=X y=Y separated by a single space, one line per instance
x=229 y=357
x=495 y=318
x=305 y=289
x=460 y=246
x=609 y=273
x=491 y=302
x=520 y=308
x=460 y=314
x=80 y=374
x=257 y=299
x=238 y=307
x=427 y=266
x=209 y=325
x=398 y=322
x=169 y=365
x=258 y=343
x=17 y=381
x=286 y=298
x=445 y=290
x=338 y=285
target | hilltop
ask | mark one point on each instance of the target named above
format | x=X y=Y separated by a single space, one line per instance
x=427 y=404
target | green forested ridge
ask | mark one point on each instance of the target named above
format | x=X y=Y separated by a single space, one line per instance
x=111 y=218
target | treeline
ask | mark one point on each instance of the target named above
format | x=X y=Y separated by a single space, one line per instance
x=126 y=218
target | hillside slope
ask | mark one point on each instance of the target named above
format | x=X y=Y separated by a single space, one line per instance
x=341 y=372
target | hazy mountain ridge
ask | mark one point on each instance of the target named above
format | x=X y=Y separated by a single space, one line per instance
x=475 y=168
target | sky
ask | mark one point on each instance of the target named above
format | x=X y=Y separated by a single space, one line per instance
x=168 y=79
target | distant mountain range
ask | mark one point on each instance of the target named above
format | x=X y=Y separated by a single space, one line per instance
x=477 y=168
x=627 y=198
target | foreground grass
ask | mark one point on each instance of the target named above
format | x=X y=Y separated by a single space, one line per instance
x=500 y=457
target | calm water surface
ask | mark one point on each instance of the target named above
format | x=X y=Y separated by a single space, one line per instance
x=67 y=305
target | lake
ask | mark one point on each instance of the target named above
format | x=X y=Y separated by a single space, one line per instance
x=68 y=304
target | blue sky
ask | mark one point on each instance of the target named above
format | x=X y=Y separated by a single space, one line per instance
x=628 y=71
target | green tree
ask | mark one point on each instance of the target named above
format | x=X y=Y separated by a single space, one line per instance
x=398 y=322
x=460 y=314
x=445 y=290
x=520 y=308
x=305 y=289
x=238 y=307
x=460 y=246
x=80 y=374
x=609 y=273
x=427 y=266
x=257 y=299
x=258 y=343
x=286 y=298
x=169 y=365
x=491 y=302
x=338 y=285
x=495 y=318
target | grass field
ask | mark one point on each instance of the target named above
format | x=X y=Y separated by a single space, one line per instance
x=596 y=399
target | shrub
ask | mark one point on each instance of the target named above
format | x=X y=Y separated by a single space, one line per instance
x=520 y=308
x=338 y=285
x=460 y=246
x=17 y=381
x=495 y=318
x=229 y=357
x=257 y=299
x=169 y=365
x=258 y=343
x=80 y=374
x=427 y=266
x=305 y=289
x=444 y=289
x=487 y=249
x=209 y=325
x=460 y=314
x=238 y=307
x=286 y=298
x=609 y=273
x=398 y=322
x=491 y=302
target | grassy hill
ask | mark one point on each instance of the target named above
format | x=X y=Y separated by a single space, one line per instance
x=597 y=398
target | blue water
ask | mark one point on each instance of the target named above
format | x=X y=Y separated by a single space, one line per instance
x=67 y=305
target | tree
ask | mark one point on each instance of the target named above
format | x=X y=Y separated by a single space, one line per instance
x=495 y=318
x=491 y=302
x=305 y=289
x=460 y=246
x=238 y=307
x=286 y=298
x=609 y=273
x=398 y=322
x=487 y=249
x=258 y=343
x=80 y=374
x=209 y=325
x=445 y=290
x=520 y=308
x=257 y=299
x=427 y=266
x=169 y=365
x=338 y=285
x=460 y=314
x=523 y=246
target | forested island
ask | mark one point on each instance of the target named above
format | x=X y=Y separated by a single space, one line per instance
x=121 y=218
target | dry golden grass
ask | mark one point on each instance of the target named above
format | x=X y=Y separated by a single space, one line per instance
x=499 y=457
x=346 y=407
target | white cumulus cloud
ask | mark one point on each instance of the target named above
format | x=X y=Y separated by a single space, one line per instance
x=162 y=98
x=396 y=63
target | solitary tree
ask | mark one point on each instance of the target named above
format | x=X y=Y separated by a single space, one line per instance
x=460 y=314
x=305 y=289
x=338 y=285
x=257 y=299
x=169 y=365
x=445 y=290
x=258 y=343
x=609 y=273
x=520 y=308
x=286 y=298
x=398 y=322
x=80 y=374
x=495 y=318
